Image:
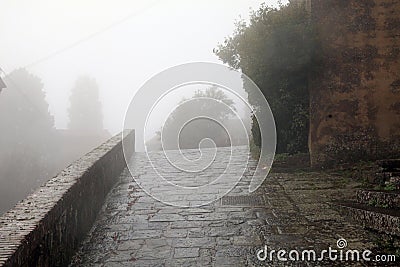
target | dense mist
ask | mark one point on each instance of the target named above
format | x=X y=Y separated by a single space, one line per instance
x=71 y=69
x=32 y=149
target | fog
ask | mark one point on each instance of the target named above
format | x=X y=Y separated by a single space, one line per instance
x=120 y=43
x=117 y=44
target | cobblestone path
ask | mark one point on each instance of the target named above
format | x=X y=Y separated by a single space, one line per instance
x=289 y=211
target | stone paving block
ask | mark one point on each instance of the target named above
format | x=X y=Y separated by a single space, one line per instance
x=185 y=262
x=130 y=245
x=224 y=241
x=146 y=263
x=120 y=256
x=224 y=231
x=204 y=242
x=229 y=261
x=156 y=242
x=175 y=233
x=298 y=229
x=247 y=241
x=139 y=234
x=186 y=224
x=191 y=211
x=196 y=232
x=166 y=217
x=186 y=252
x=150 y=253
x=207 y=217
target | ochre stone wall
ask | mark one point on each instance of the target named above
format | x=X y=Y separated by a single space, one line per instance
x=355 y=93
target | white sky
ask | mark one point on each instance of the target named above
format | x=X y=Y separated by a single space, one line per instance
x=158 y=34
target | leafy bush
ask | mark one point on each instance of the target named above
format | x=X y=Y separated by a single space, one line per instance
x=277 y=50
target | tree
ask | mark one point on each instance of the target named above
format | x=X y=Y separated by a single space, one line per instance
x=2 y=84
x=190 y=134
x=277 y=50
x=85 y=111
x=27 y=137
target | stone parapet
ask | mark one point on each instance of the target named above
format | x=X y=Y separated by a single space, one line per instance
x=46 y=228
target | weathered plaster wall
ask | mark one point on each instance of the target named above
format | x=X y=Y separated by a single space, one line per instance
x=46 y=227
x=355 y=95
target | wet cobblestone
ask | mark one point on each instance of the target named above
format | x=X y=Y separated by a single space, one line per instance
x=133 y=229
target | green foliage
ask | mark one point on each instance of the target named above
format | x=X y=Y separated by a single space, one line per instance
x=255 y=133
x=255 y=150
x=372 y=202
x=277 y=50
x=387 y=187
x=390 y=187
x=190 y=134
x=376 y=203
x=281 y=157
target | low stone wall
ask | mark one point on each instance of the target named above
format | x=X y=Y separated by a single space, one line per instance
x=385 y=199
x=45 y=228
x=380 y=219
